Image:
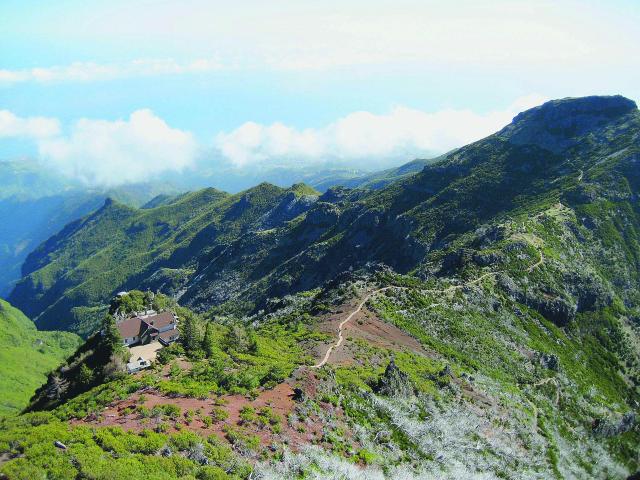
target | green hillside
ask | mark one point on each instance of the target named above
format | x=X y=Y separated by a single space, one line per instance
x=26 y=356
x=35 y=203
x=119 y=247
x=213 y=248
x=478 y=319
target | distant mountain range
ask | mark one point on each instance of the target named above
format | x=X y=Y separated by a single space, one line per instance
x=209 y=247
x=473 y=316
x=35 y=202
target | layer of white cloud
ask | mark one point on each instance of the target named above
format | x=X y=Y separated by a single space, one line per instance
x=364 y=139
x=144 y=147
x=13 y=126
x=91 y=71
x=122 y=151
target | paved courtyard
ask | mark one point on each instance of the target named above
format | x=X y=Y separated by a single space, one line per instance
x=148 y=351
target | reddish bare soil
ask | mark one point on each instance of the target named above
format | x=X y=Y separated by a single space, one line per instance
x=365 y=325
x=305 y=429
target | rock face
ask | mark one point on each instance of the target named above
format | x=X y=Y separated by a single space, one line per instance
x=394 y=382
x=456 y=260
x=609 y=428
x=551 y=306
x=290 y=207
x=323 y=215
x=555 y=308
x=558 y=124
x=558 y=310
x=488 y=259
x=550 y=361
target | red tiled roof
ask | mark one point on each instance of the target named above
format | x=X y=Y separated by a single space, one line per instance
x=168 y=334
x=131 y=327
x=159 y=320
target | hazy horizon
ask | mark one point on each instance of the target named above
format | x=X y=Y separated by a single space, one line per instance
x=126 y=92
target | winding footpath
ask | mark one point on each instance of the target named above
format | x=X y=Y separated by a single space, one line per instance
x=341 y=327
x=538 y=263
x=344 y=322
x=379 y=290
x=375 y=292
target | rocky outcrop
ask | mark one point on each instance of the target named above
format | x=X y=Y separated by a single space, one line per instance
x=299 y=395
x=487 y=259
x=589 y=291
x=323 y=214
x=560 y=124
x=610 y=428
x=456 y=260
x=394 y=382
x=486 y=235
x=335 y=195
x=555 y=308
x=558 y=310
x=549 y=360
x=289 y=208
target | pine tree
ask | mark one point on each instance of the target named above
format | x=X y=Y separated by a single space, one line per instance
x=207 y=341
x=111 y=337
x=149 y=298
x=241 y=339
x=56 y=387
x=190 y=335
x=85 y=375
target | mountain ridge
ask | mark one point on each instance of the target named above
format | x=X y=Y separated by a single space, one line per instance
x=478 y=318
x=423 y=211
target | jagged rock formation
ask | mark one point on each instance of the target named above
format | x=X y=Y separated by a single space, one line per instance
x=611 y=428
x=394 y=382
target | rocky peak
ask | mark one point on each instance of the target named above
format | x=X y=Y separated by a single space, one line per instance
x=394 y=382
x=291 y=205
x=559 y=124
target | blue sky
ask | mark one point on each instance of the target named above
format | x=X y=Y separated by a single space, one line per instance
x=253 y=84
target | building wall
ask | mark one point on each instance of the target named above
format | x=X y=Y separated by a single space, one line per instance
x=168 y=327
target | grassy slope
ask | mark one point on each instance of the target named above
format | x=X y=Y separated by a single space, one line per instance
x=118 y=247
x=26 y=356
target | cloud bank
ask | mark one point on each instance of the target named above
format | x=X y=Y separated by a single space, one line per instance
x=364 y=139
x=12 y=125
x=323 y=35
x=118 y=152
x=144 y=146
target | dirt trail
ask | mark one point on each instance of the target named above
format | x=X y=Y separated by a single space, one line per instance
x=555 y=382
x=538 y=263
x=465 y=284
x=344 y=322
x=375 y=292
